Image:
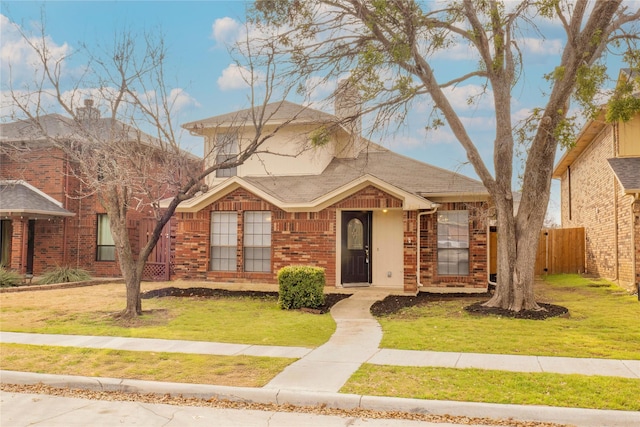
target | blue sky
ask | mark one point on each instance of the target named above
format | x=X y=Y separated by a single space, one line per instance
x=196 y=33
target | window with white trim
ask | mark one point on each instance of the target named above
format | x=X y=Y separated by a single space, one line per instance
x=228 y=149
x=453 y=243
x=106 y=248
x=224 y=241
x=257 y=241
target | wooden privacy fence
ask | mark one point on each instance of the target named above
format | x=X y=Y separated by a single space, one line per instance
x=158 y=265
x=560 y=250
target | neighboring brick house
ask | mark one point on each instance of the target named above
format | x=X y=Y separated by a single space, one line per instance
x=368 y=216
x=47 y=218
x=600 y=191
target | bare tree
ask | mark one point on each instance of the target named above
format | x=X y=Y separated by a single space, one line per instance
x=124 y=167
x=387 y=49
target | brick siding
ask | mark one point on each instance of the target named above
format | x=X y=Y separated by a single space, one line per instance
x=59 y=241
x=309 y=238
x=595 y=200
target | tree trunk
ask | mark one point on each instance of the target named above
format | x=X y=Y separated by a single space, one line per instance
x=134 y=302
x=517 y=248
x=130 y=268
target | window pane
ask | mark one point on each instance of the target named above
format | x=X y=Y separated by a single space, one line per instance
x=355 y=235
x=106 y=253
x=224 y=240
x=257 y=241
x=453 y=243
x=104 y=231
x=453 y=262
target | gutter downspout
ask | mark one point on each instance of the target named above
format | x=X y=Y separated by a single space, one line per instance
x=429 y=212
x=65 y=221
x=494 y=284
x=634 y=265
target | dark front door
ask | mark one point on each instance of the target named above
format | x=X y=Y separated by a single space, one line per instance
x=356 y=242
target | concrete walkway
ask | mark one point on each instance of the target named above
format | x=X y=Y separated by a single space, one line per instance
x=328 y=367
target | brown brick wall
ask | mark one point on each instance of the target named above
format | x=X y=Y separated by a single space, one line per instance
x=478 y=236
x=309 y=238
x=59 y=241
x=595 y=200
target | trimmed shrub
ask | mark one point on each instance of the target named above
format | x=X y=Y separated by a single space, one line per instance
x=9 y=278
x=64 y=275
x=301 y=286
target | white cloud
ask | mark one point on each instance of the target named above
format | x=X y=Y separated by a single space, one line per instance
x=225 y=30
x=181 y=100
x=237 y=77
x=539 y=46
x=19 y=63
x=460 y=97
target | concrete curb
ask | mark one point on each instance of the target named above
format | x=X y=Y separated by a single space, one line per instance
x=575 y=416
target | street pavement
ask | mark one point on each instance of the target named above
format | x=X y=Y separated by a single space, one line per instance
x=314 y=379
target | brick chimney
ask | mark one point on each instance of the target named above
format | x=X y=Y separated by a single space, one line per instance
x=348 y=106
x=88 y=112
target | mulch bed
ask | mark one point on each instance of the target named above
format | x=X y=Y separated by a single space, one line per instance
x=329 y=301
x=394 y=303
x=390 y=305
x=550 y=310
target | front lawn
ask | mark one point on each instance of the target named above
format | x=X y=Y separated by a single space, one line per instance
x=478 y=385
x=239 y=371
x=602 y=323
x=89 y=311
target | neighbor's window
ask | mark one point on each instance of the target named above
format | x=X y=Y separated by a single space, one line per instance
x=224 y=241
x=257 y=241
x=453 y=243
x=106 y=247
x=228 y=149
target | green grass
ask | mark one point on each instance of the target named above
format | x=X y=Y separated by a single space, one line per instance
x=477 y=385
x=241 y=371
x=89 y=311
x=602 y=323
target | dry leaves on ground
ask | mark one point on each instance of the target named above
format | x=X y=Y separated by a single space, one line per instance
x=227 y=404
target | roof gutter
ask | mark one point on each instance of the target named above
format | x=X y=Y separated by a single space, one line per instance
x=420 y=214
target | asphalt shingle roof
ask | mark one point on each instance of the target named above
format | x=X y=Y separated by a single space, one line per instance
x=627 y=169
x=16 y=197
x=400 y=171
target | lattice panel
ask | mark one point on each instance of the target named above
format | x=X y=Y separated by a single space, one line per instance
x=155 y=271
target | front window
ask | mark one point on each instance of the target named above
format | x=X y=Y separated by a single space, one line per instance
x=224 y=241
x=257 y=241
x=228 y=149
x=106 y=247
x=453 y=243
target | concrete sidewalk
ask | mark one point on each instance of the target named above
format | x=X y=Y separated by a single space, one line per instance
x=550 y=414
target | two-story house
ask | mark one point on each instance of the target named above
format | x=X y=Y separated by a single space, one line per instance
x=49 y=216
x=367 y=215
x=600 y=191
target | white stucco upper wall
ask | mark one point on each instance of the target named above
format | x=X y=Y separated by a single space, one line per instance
x=288 y=152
